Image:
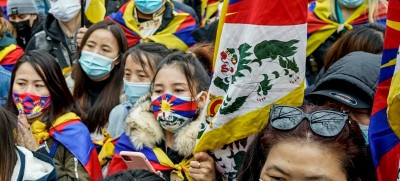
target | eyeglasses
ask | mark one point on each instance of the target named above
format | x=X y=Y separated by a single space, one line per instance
x=324 y=122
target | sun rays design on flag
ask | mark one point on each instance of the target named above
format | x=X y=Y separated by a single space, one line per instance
x=167 y=103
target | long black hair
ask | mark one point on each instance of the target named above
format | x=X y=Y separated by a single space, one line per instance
x=95 y=113
x=50 y=72
x=8 y=156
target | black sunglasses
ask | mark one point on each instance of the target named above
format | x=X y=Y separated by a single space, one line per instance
x=324 y=122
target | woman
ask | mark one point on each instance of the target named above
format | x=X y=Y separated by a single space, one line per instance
x=328 y=146
x=329 y=19
x=140 y=64
x=98 y=75
x=163 y=125
x=39 y=95
x=18 y=163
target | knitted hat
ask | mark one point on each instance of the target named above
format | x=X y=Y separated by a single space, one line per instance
x=21 y=7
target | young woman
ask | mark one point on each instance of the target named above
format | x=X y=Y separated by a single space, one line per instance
x=328 y=146
x=164 y=124
x=98 y=75
x=39 y=95
x=140 y=64
x=18 y=163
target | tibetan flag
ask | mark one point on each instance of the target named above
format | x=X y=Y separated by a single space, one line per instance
x=176 y=34
x=321 y=26
x=74 y=135
x=209 y=8
x=157 y=158
x=384 y=130
x=260 y=61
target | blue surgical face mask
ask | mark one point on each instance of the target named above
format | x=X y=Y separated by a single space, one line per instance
x=94 y=65
x=148 y=6
x=351 y=3
x=135 y=90
x=364 y=130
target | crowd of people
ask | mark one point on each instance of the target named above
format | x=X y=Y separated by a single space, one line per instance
x=75 y=93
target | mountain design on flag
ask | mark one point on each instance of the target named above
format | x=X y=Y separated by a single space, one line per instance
x=267 y=51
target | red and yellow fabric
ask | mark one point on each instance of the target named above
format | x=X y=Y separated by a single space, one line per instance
x=107 y=147
x=384 y=130
x=321 y=27
x=157 y=157
x=177 y=34
x=208 y=9
x=9 y=56
x=73 y=135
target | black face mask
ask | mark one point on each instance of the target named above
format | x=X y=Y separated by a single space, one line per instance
x=23 y=32
x=23 y=29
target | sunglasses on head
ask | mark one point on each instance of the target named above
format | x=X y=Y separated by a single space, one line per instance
x=323 y=122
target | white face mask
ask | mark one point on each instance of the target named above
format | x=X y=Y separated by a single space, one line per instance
x=65 y=10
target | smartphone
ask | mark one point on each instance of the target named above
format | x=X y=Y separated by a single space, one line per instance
x=136 y=161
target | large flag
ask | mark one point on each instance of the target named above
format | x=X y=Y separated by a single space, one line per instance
x=384 y=132
x=260 y=61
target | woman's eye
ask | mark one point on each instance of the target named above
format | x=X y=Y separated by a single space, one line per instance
x=179 y=90
x=39 y=86
x=158 y=91
x=20 y=84
x=277 y=179
x=127 y=74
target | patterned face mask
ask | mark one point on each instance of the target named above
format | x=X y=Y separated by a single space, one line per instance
x=31 y=105
x=173 y=112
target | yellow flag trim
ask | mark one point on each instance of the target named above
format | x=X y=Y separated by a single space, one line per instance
x=240 y=127
x=393 y=101
x=393 y=24
x=6 y=51
x=321 y=10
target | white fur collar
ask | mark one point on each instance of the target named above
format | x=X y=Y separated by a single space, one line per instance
x=144 y=130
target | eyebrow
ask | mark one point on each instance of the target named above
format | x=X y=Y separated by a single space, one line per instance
x=318 y=177
x=22 y=79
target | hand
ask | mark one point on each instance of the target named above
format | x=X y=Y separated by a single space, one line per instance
x=25 y=136
x=79 y=36
x=203 y=168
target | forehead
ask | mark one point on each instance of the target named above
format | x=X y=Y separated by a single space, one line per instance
x=304 y=159
x=170 y=74
x=27 y=72
x=103 y=36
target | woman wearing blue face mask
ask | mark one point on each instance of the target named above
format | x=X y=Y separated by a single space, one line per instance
x=140 y=64
x=97 y=75
x=329 y=19
x=164 y=124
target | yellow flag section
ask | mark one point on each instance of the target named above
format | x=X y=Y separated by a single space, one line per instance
x=393 y=109
x=260 y=61
x=95 y=10
x=208 y=9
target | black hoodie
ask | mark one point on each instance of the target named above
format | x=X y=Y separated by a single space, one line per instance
x=52 y=40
